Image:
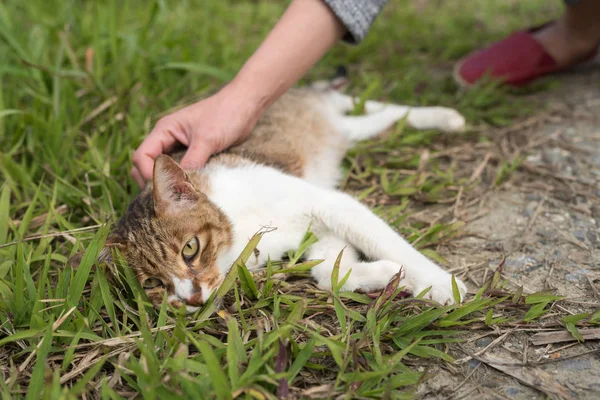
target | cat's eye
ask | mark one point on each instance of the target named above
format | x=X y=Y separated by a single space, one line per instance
x=190 y=249
x=152 y=283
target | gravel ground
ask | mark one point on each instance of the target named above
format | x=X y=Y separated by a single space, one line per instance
x=545 y=221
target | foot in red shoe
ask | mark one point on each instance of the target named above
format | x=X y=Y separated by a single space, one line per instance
x=527 y=55
x=516 y=60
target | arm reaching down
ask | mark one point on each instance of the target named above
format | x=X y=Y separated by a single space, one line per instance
x=305 y=32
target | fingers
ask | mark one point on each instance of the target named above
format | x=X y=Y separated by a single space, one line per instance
x=159 y=141
x=196 y=155
x=204 y=127
x=144 y=156
x=137 y=176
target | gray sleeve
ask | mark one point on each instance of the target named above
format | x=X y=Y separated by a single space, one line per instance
x=356 y=15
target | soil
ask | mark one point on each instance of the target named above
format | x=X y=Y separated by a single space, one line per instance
x=546 y=222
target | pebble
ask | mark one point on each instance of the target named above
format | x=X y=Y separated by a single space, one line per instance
x=577 y=275
x=530 y=208
x=533 y=268
x=533 y=197
x=579 y=235
x=547 y=234
x=534 y=159
x=595 y=211
x=555 y=156
x=484 y=341
x=521 y=262
x=575 y=365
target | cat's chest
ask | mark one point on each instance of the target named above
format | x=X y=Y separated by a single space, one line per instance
x=256 y=199
x=256 y=194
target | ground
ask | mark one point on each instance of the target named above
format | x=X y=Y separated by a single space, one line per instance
x=512 y=206
x=546 y=223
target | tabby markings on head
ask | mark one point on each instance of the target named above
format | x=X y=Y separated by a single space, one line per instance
x=171 y=236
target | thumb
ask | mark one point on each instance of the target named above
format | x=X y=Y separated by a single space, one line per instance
x=196 y=155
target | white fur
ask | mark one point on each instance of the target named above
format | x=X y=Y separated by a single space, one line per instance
x=184 y=288
x=325 y=172
x=206 y=292
x=256 y=196
x=380 y=116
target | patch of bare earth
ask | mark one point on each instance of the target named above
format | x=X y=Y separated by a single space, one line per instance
x=545 y=222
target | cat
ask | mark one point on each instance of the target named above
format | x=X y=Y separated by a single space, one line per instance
x=182 y=233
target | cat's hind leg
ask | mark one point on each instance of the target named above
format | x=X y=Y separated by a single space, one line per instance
x=380 y=116
x=366 y=276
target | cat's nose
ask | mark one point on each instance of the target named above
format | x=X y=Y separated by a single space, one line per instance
x=196 y=300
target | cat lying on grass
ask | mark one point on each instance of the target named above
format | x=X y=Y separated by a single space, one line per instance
x=184 y=231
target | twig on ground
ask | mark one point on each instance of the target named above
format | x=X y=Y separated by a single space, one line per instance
x=561 y=336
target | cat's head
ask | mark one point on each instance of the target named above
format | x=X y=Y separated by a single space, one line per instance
x=171 y=236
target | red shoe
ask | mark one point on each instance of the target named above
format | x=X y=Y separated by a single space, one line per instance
x=515 y=61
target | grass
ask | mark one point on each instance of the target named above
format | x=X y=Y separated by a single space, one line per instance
x=81 y=83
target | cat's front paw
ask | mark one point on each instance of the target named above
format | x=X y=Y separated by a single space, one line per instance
x=370 y=276
x=441 y=287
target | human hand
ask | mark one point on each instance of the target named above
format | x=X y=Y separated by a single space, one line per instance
x=206 y=127
x=303 y=34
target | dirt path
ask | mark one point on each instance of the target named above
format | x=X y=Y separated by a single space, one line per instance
x=546 y=222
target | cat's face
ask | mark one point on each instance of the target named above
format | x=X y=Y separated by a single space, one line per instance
x=171 y=236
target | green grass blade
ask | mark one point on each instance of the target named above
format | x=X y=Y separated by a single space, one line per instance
x=82 y=382
x=246 y=281
x=455 y=291
x=88 y=260
x=108 y=299
x=301 y=359
x=216 y=374
x=21 y=335
x=4 y=213
x=211 y=305
x=236 y=353
x=198 y=68
x=36 y=383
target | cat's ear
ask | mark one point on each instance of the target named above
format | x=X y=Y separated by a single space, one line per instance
x=172 y=187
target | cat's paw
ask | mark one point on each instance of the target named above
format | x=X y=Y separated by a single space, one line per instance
x=371 y=276
x=441 y=287
x=442 y=118
x=449 y=120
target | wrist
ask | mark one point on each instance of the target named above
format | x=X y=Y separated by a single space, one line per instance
x=244 y=99
x=257 y=90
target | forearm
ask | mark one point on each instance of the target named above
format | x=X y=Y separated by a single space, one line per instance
x=306 y=31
